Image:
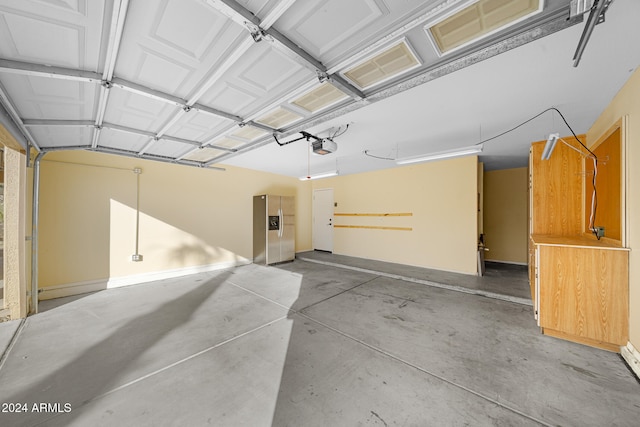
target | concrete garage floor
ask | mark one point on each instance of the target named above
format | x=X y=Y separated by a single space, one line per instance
x=303 y=344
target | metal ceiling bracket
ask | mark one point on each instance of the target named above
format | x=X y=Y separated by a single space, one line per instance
x=545 y=26
x=242 y=15
x=145 y=91
x=102 y=109
x=128 y=130
x=96 y=136
x=258 y=126
x=596 y=16
x=216 y=112
x=243 y=47
x=29 y=69
x=257 y=33
x=154 y=157
x=46 y=122
x=322 y=76
x=115 y=37
x=67 y=148
x=179 y=140
x=314 y=64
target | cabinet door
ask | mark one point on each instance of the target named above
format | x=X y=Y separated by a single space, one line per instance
x=536 y=283
x=532 y=247
x=532 y=270
x=584 y=293
x=556 y=191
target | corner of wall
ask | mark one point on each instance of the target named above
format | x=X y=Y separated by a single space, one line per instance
x=632 y=357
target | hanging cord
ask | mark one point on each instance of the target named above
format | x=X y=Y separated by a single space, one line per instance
x=308 y=162
x=594 y=197
x=338 y=133
x=594 y=201
x=366 y=153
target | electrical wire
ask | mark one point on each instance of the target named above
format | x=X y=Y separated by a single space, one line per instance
x=573 y=148
x=505 y=132
x=594 y=197
x=594 y=201
x=366 y=153
x=338 y=133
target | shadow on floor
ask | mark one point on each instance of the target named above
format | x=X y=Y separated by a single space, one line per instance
x=98 y=370
x=50 y=304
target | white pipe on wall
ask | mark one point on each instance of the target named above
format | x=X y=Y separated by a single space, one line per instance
x=34 y=232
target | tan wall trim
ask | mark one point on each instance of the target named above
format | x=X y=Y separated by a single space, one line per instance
x=15 y=283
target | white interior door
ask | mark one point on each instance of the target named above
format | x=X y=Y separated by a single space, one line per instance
x=323 y=219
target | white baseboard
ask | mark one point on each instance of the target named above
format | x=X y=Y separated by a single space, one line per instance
x=632 y=356
x=69 y=289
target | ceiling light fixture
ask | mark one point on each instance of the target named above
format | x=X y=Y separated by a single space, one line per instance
x=460 y=152
x=319 y=175
x=550 y=145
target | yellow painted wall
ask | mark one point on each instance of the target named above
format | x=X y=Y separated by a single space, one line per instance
x=505 y=215
x=189 y=216
x=442 y=196
x=627 y=103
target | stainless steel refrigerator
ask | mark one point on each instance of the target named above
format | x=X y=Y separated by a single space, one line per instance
x=273 y=229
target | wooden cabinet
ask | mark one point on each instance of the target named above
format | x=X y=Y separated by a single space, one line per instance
x=579 y=285
x=582 y=290
x=555 y=197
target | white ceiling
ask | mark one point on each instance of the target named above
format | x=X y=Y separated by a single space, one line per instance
x=173 y=80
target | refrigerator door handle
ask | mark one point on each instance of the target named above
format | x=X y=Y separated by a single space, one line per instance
x=281 y=230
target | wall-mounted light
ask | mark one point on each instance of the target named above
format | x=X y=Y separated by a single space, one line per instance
x=319 y=175
x=550 y=145
x=459 y=152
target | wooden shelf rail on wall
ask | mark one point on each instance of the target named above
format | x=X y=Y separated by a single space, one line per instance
x=375 y=227
x=374 y=214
